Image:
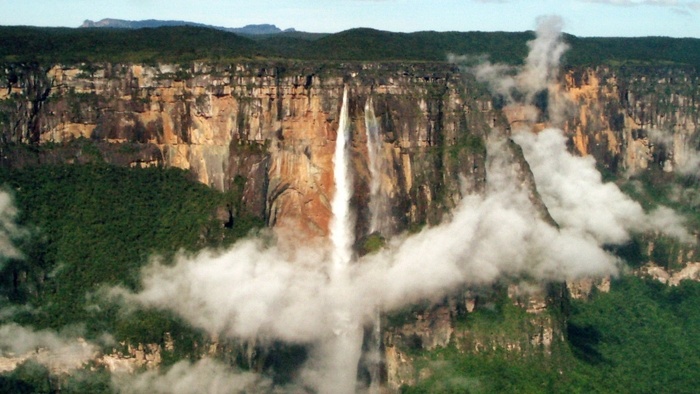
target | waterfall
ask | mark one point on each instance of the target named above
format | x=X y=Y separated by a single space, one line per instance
x=342 y=349
x=377 y=208
x=377 y=204
x=341 y=224
x=375 y=355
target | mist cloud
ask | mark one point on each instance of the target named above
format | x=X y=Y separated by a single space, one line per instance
x=57 y=351
x=686 y=160
x=250 y=291
x=9 y=231
x=541 y=64
x=203 y=376
x=469 y=248
x=256 y=290
x=539 y=73
x=575 y=195
x=675 y=4
x=570 y=186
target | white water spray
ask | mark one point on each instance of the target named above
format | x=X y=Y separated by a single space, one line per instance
x=343 y=348
x=341 y=223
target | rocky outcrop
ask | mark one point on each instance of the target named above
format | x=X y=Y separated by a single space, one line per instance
x=583 y=288
x=673 y=278
x=517 y=320
x=134 y=357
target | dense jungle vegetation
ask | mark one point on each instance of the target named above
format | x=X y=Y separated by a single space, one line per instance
x=187 y=44
x=638 y=338
x=93 y=225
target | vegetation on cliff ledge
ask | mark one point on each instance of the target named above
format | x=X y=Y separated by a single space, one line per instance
x=638 y=338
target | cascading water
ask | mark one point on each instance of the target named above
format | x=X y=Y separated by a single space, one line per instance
x=343 y=348
x=341 y=224
x=377 y=207
x=376 y=166
x=375 y=355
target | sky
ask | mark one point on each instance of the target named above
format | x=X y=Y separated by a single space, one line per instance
x=675 y=18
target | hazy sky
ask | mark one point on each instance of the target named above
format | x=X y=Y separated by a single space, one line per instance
x=677 y=18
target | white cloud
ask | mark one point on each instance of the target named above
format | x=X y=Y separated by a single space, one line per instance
x=675 y=4
x=256 y=290
x=203 y=376
x=250 y=291
x=9 y=230
x=686 y=160
x=59 y=351
x=576 y=196
x=570 y=186
x=522 y=84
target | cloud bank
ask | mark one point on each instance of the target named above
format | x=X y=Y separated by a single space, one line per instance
x=576 y=196
x=258 y=291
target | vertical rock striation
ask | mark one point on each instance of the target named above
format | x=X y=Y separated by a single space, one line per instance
x=634 y=118
x=266 y=125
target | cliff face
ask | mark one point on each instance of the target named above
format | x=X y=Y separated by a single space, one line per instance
x=269 y=129
x=631 y=119
x=273 y=126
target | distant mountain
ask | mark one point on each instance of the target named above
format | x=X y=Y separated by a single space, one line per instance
x=151 y=23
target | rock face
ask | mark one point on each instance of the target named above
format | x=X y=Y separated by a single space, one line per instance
x=631 y=119
x=139 y=356
x=454 y=325
x=269 y=129
x=271 y=126
x=690 y=272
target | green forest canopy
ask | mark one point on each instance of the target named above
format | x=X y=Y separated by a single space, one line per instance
x=187 y=43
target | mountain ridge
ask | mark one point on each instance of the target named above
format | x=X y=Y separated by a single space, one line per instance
x=251 y=29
